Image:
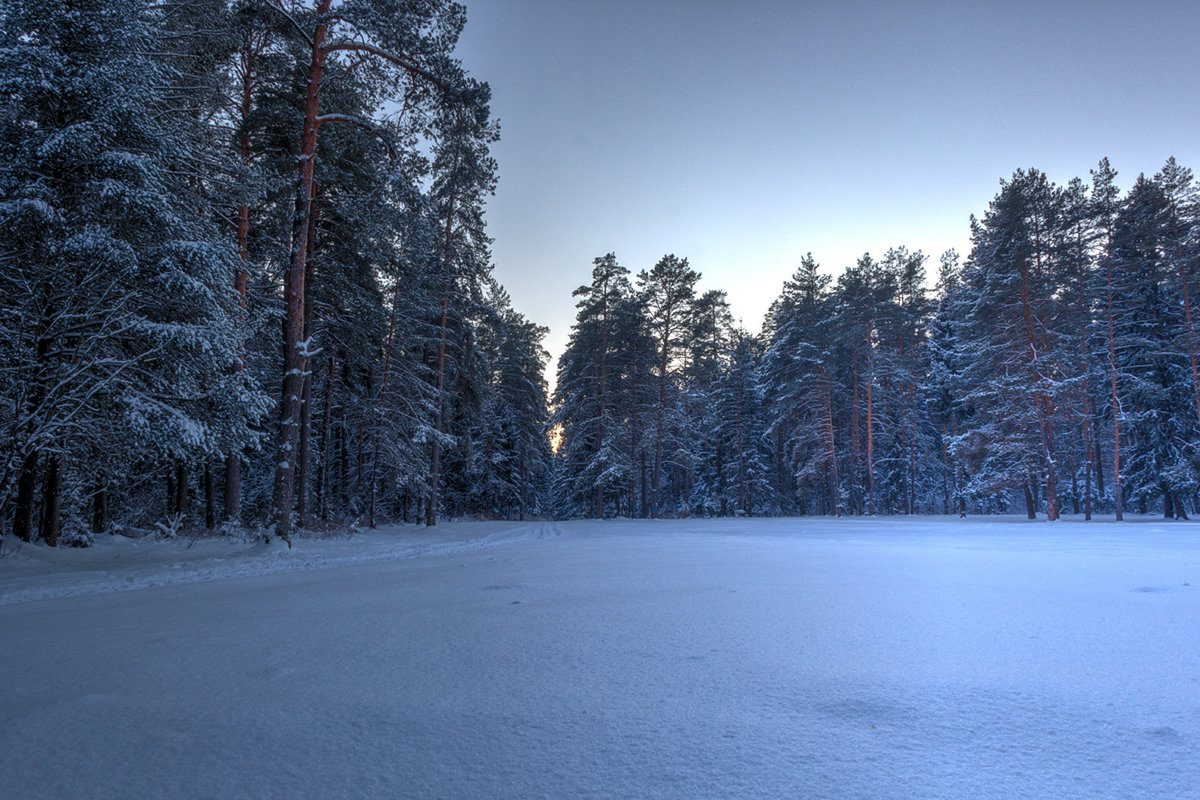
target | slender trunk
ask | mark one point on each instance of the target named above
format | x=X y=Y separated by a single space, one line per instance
x=210 y=501
x=233 y=487
x=233 y=462
x=26 y=497
x=945 y=472
x=343 y=445
x=1118 y=491
x=325 y=472
x=52 y=501
x=870 y=443
x=601 y=388
x=741 y=452
x=382 y=400
x=1088 y=414
x=1030 y=503
x=1040 y=401
x=181 y=488
x=645 y=491
x=304 y=454
x=661 y=412
x=1087 y=474
x=855 y=440
x=304 y=457
x=100 y=511
x=358 y=464
x=523 y=496
x=634 y=498
x=1047 y=432
x=828 y=439
x=598 y=490
x=293 y=326
x=435 y=461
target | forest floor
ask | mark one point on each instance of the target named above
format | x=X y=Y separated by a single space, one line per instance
x=872 y=658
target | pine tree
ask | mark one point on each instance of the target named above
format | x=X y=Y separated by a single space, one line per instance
x=1010 y=343
x=408 y=45
x=797 y=381
x=669 y=290
x=120 y=308
x=1153 y=373
x=588 y=410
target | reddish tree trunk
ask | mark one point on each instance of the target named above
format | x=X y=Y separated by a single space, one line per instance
x=293 y=325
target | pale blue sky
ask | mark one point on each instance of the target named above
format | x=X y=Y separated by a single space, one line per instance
x=743 y=134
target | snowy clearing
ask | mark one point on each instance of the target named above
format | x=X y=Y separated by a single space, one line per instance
x=711 y=658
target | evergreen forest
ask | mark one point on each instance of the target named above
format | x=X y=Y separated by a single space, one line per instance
x=246 y=285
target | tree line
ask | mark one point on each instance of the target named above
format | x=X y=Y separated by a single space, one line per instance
x=244 y=275
x=245 y=281
x=1053 y=371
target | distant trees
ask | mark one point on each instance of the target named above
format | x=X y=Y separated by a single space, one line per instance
x=1052 y=371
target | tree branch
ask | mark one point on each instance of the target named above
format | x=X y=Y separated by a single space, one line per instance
x=403 y=63
x=362 y=123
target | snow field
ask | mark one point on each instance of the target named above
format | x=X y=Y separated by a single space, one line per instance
x=715 y=658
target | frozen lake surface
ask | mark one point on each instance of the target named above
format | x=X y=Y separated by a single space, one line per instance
x=702 y=658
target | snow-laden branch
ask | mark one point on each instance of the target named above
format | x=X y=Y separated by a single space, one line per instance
x=399 y=61
x=362 y=123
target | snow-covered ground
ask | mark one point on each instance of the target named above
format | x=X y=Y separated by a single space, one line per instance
x=724 y=658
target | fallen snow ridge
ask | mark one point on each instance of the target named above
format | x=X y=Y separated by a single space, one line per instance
x=116 y=563
x=932 y=658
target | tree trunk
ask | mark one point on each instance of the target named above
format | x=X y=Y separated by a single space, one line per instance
x=870 y=441
x=210 y=501
x=52 y=501
x=293 y=325
x=523 y=496
x=324 y=473
x=1118 y=491
x=233 y=487
x=233 y=462
x=828 y=440
x=1033 y=343
x=856 y=500
x=304 y=455
x=1088 y=415
x=741 y=453
x=635 y=478
x=664 y=356
x=945 y=472
x=26 y=497
x=382 y=400
x=181 y=488
x=100 y=511
x=435 y=460
x=1030 y=503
